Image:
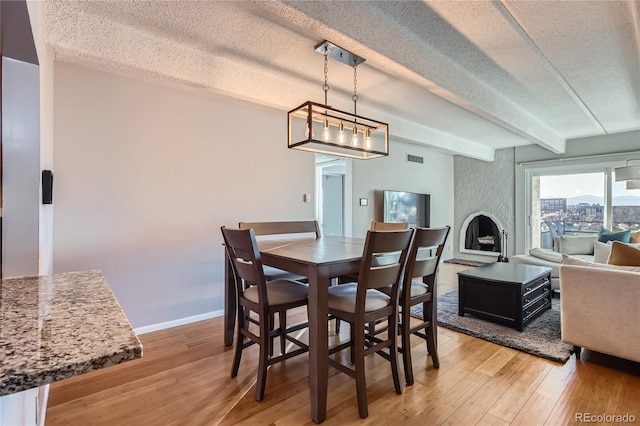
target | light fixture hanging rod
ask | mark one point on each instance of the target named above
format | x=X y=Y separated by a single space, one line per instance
x=339 y=54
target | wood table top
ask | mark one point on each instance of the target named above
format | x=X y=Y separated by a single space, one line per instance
x=325 y=250
x=506 y=272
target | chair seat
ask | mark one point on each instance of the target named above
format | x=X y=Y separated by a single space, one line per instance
x=272 y=274
x=280 y=292
x=418 y=288
x=343 y=298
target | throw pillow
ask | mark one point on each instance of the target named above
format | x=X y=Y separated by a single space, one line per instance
x=576 y=244
x=572 y=261
x=605 y=235
x=624 y=255
x=601 y=252
x=635 y=235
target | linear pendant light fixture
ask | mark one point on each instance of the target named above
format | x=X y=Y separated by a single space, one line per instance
x=633 y=184
x=322 y=129
x=628 y=172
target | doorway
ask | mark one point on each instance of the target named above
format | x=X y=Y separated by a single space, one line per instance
x=333 y=186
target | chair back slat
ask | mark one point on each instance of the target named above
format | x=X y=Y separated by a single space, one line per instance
x=384 y=257
x=275 y=228
x=388 y=226
x=424 y=267
x=383 y=276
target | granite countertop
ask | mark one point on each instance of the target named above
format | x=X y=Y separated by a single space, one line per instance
x=59 y=326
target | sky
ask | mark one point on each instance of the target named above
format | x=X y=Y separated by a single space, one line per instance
x=568 y=186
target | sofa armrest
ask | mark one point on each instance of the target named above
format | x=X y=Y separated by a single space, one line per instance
x=599 y=310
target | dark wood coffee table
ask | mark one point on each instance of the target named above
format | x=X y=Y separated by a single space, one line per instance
x=507 y=293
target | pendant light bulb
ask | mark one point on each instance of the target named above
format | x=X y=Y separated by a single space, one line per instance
x=342 y=138
x=308 y=131
x=367 y=139
x=326 y=132
x=354 y=138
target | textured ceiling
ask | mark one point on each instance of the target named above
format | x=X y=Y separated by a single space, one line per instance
x=466 y=77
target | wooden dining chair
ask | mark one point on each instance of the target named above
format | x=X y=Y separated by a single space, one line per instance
x=265 y=299
x=361 y=303
x=375 y=226
x=422 y=262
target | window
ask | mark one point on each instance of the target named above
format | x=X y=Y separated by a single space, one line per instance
x=569 y=203
x=625 y=205
x=578 y=199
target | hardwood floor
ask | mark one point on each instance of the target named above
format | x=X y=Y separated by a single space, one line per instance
x=183 y=379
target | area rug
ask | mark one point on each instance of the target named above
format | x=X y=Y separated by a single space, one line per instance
x=541 y=337
x=465 y=262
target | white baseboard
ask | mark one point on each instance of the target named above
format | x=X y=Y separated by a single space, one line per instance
x=176 y=323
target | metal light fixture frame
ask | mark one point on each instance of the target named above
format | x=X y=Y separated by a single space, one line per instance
x=303 y=135
x=628 y=172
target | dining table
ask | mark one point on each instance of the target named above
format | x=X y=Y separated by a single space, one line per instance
x=320 y=260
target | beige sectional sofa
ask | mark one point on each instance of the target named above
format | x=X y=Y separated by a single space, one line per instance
x=600 y=308
x=578 y=246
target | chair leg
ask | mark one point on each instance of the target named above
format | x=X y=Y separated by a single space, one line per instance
x=239 y=341
x=393 y=352
x=332 y=282
x=272 y=321
x=371 y=328
x=282 y=317
x=265 y=348
x=406 y=350
x=432 y=342
x=361 y=382
x=352 y=337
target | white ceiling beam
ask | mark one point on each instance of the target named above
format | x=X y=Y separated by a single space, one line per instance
x=503 y=7
x=416 y=57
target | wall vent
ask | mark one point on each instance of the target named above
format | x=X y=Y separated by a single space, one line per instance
x=415 y=159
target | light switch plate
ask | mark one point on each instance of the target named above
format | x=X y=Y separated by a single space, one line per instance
x=364 y=202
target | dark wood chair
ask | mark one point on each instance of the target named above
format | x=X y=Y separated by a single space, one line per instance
x=298 y=228
x=361 y=303
x=422 y=262
x=255 y=294
x=375 y=226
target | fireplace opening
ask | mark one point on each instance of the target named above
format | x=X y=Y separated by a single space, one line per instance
x=482 y=234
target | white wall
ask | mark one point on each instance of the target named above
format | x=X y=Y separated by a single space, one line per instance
x=145 y=176
x=434 y=176
x=20 y=167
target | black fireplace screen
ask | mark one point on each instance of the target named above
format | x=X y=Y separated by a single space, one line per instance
x=482 y=234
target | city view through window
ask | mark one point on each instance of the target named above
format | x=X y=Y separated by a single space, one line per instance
x=576 y=203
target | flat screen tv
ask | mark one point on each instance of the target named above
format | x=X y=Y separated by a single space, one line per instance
x=410 y=207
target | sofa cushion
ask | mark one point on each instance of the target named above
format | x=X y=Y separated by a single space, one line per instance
x=576 y=244
x=605 y=235
x=569 y=260
x=546 y=254
x=624 y=255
